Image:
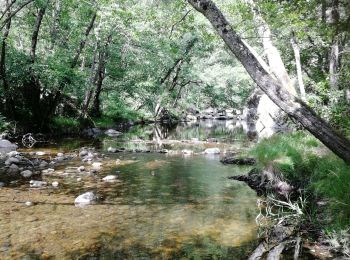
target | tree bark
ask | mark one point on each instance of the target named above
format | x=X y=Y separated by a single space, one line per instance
x=296 y=50
x=273 y=56
x=35 y=33
x=8 y=104
x=100 y=76
x=56 y=20
x=334 y=51
x=32 y=89
x=293 y=106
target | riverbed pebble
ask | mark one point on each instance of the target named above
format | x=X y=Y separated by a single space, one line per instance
x=55 y=184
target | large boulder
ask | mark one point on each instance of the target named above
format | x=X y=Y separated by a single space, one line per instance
x=6 y=146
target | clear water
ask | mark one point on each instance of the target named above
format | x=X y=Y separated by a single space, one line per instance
x=163 y=206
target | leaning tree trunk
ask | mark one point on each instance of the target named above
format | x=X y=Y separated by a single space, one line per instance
x=293 y=106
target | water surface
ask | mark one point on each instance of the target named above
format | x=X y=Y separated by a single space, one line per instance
x=163 y=206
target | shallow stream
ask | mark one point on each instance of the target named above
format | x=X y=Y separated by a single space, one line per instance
x=162 y=206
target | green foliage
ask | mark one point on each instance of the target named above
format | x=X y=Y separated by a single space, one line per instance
x=4 y=124
x=64 y=125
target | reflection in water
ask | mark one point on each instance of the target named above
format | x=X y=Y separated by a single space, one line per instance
x=161 y=207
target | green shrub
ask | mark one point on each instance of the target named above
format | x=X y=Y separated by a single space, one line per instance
x=64 y=125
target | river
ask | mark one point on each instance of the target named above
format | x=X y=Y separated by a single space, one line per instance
x=162 y=205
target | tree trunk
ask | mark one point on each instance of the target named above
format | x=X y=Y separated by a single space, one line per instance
x=56 y=20
x=296 y=50
x=33 y=91
x=334 y=51
x=100 y=76
x=83 y=40
x=293 y=106
x=8 y=104
x=273 y=56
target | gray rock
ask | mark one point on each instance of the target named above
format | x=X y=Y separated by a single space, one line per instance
x=112 y=150
x=43 y=164
x=13 y=169
x=40 y=153
x=112 y=132
x=60 y=155
x=26 y=173
x=12 y=160
x=85 y=199
x=55 y=184
x=81 y=169
x=37 y=184
x=6 y=146
x=110 y=178
x=212 y=151
x=12 y=154
x=83 y=153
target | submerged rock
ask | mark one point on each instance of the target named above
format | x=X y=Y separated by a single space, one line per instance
x=212 y=151
x=85 y=199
